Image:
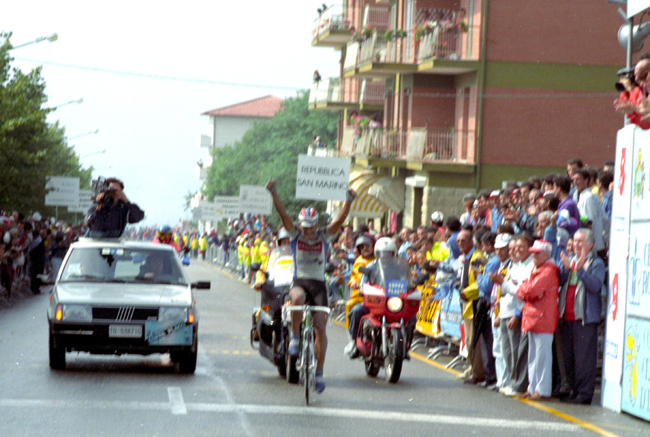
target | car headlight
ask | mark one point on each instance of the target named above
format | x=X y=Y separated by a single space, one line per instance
x=74 y=313
x=394 y=304
x=172 y=314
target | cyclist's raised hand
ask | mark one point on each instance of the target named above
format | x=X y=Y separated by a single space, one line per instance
x=270 y=185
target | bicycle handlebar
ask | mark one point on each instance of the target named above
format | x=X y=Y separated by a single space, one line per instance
x=312 y=308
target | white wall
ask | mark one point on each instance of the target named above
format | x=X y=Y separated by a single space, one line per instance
x=227 y=130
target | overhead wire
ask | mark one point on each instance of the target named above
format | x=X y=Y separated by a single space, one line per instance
x=547 y=95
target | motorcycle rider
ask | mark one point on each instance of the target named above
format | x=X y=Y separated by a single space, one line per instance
x=164 y=235
x=310 y=245
x=384 y=247
x=277 y=261
x=364 y=245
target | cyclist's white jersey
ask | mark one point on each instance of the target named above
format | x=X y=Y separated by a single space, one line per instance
x=310 y=256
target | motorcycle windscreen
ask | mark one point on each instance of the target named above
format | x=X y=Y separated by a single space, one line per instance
x=393 y=275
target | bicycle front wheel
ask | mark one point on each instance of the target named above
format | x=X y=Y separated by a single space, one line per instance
x=307 y=366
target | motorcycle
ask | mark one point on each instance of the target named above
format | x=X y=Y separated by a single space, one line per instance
x=269 y=335
x=392 y=299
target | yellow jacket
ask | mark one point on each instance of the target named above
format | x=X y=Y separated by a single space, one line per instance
x=471 y=291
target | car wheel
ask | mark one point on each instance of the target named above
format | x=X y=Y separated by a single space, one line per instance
x=57 y=355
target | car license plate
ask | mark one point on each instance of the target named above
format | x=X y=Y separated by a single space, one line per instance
x=125 y=331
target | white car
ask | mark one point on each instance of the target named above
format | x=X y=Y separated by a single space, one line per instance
x=115 y=297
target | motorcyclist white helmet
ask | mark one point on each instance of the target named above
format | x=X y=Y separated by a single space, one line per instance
x=282 y=234
x=385 y=247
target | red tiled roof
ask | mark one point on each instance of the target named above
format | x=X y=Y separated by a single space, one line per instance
x=265 y=107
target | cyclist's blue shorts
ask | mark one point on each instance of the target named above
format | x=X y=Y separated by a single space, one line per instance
x=315 y=291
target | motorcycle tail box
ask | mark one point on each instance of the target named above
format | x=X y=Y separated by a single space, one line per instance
x=273 y=299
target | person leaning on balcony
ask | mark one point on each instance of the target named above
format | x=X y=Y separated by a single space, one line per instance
x=633 y=100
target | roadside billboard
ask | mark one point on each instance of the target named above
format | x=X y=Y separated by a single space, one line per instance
x=64 y=191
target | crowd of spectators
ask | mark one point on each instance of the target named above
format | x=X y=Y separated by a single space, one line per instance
x=530 y=264
x=31 y=250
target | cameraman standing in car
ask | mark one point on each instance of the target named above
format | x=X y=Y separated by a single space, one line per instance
x=111 y=212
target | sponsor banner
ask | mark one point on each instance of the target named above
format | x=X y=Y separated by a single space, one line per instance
x=63 y=191
x=640 y=176
x=636 y=377
x=322 y=178
x=428 y=317
x=255 y=199
x=85 y=201
x=227 y=206
x=619 y=245
x=157 y=333
x=638 y=288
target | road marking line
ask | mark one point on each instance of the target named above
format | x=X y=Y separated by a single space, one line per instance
x=353 y=415
x=176 y=400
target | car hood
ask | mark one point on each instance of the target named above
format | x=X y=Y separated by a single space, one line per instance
x=113 y=294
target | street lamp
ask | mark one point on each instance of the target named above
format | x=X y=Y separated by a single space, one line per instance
x=96 y=131
x=50 y=38
x=78 y=101
x=99 y=152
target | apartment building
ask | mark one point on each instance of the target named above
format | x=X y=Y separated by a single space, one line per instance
x=438 y=98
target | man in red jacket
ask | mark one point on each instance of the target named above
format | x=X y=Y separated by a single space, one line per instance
x=540 y=318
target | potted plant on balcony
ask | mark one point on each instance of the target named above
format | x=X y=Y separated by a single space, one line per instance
x=361 y=35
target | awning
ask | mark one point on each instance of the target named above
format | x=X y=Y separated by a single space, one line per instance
x=367 y=205
x=390 y=191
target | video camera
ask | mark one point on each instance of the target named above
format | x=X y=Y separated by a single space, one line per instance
x=100 y=185
x=625 y=73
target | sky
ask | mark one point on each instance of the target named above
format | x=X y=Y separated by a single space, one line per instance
x=147 y=70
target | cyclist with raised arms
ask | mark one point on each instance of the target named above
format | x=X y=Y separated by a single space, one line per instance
x=310 y=246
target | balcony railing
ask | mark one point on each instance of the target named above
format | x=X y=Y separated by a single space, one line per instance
x=325 y=91
x=332 y=20
x=416 y=145
x=444 y=43
x=372 y=92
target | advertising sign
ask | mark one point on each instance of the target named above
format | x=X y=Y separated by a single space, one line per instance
x=255 y=199
x=83 y=203
x=64 y=191
x=227 y=206
x=636 y=378
x=322 y=178
x=619 y=244
x=209 y=211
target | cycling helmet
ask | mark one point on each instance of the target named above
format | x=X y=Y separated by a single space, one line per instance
x=385 y=247
x=282 y=234
x=364 y=239
x=164 y=233
x=308 y=217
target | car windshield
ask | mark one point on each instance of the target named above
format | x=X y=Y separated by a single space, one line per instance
x=122 y=265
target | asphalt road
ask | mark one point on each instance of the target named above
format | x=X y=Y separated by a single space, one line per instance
x=235 y=392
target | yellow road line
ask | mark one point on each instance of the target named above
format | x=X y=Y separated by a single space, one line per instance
x=590 y=426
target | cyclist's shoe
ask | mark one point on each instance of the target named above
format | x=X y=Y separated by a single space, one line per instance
x=294 y=346
x=320 y=384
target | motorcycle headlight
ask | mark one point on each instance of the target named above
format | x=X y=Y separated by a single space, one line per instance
x=394 y=304
x=75 y=313
x=172 y=314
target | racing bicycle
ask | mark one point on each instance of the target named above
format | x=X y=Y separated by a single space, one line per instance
x=303 y=367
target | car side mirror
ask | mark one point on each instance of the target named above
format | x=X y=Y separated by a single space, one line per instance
x=365 y=270
x=201 y=285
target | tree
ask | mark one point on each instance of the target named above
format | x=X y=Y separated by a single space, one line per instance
x=31 y=147
x=269 y=150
